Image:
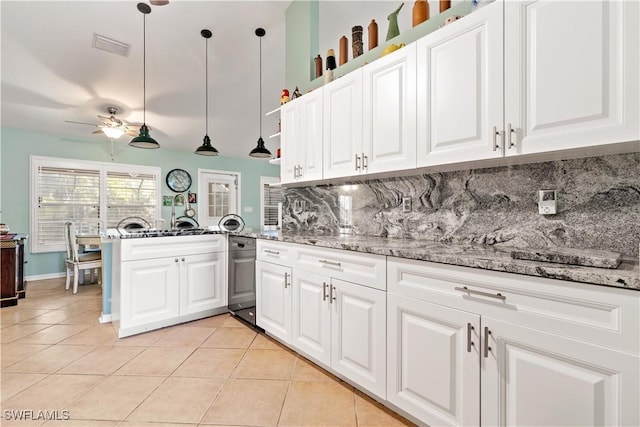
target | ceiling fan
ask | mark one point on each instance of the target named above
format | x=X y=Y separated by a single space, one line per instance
x=158 y=2
x=113 y=127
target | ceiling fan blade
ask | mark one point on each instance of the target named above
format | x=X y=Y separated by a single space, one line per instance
x=98 y=131
x=159 y=2
x=80 y=123
x=132 y=132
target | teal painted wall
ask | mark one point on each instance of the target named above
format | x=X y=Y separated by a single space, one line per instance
x=17 y=145
x=301 y=43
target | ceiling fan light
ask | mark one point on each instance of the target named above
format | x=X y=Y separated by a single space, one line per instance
x=260 y=151
x=206 y=149
x=113 y=133
x=143 y=140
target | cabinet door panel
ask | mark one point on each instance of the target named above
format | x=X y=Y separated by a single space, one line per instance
x=310 y=141
x=358 y=335
x=389 y=103
x=289 y=124
x=432 y=374
x=535 y=378
x=460 y=94
x=150 y=291
x=273 y=299
x=312 y=316
x=342 y=122
x=571 y=88
x=202 y=283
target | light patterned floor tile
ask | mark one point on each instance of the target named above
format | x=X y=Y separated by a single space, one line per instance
x=372 y=414
x=19 y=330
x=210 y=362
x=114 y=398
x=53 y=334
x=51 y=359
x=307 y=371
x=180 y=400
x=264 y=342
x=213 y=322
x=248 y=402
x=102 y=360
x=161 y=361
x=265 y=364
x=13 y=353
x=53 y=393
x=318 y=403
x=180 y=336
x=13 y=384
x=230 y=338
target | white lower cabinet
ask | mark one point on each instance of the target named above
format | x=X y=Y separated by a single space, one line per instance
x=273 y=299
x=497 y=349
x=163 y=281
x=434 y=361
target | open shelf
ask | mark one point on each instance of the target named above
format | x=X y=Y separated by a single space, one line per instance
x=272 y=111
x=275 y=161
x=275 y=135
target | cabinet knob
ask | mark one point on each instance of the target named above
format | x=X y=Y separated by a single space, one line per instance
x=182 y=259
x=176 y=260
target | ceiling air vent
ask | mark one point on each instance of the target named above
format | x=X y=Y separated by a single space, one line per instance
x=110 y=45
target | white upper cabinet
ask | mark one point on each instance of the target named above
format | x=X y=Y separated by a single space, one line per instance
x=389 y=112
x=301 y=138
x=342 y=137
x=571 y=74
x=460 y=95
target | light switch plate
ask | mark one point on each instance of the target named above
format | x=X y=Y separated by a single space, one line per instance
x=248 y=208
x=547 y=202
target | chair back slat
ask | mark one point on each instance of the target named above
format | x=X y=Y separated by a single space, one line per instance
x=70 y=241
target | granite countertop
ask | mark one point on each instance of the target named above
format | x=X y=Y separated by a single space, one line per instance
x=627 y=275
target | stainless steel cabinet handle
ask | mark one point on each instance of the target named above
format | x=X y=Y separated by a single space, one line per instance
x=487 y=349
x=495 y=138
x=269 y=251
x=295 y=171
x=286 y=280
x=324 y=291
x=365 y=161
x=299 y=171
x=326 y=261
x=510 y=131
x=469 y=340
x=484 y=294
x=332 y=297
x=357 y=162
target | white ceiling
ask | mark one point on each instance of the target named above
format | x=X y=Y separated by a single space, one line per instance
x=51 y=73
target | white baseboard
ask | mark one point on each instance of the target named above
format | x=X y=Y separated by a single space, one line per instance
x=45 y=276
x=105 y=318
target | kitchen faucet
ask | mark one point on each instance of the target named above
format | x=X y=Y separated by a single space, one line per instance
x=173 y=208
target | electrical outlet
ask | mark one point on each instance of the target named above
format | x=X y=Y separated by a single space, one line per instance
x=406 y=204
x=547 y=202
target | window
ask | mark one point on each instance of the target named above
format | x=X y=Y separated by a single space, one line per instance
x=271 y=198
x=88 y=194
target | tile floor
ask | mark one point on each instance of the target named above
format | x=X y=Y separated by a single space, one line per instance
x=216 y=371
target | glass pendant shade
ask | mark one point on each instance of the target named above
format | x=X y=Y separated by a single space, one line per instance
x=260 y=151
x=206 y=149
x=144 y=140
x=113 y=133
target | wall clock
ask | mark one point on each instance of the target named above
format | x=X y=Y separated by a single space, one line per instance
x=178 y=180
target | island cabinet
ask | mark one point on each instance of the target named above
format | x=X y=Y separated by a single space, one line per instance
x=491 y=348
x=327 y=304
x=513 y=79
x=162 y=281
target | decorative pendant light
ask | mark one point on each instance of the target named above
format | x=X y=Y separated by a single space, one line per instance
x=206 y=149
x=143 y=140
x=260 y=151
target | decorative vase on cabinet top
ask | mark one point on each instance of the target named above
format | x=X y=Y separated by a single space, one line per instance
x=420 y=12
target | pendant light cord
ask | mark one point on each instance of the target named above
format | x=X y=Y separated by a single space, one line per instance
x=206 y=86
x=144 y=68
x=260 y=86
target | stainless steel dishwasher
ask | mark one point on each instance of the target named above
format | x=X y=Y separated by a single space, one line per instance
x=242 y=277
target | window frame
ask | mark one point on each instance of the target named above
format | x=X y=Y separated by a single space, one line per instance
x=36 y=162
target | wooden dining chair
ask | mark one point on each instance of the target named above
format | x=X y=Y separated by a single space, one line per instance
x=78 y=262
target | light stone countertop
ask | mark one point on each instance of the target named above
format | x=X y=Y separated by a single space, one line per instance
x=627 y=275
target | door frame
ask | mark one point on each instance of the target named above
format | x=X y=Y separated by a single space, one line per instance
x=202 y=195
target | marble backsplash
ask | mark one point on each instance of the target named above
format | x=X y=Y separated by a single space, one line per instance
x=598 y=206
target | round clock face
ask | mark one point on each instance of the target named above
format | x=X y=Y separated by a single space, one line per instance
x=179 y=180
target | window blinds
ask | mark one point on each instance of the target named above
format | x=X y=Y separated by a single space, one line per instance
x=272 y=196
x=130 y=195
